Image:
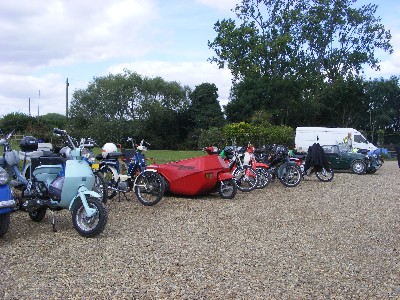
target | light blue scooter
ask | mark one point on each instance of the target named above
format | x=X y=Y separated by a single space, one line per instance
x=57 y=182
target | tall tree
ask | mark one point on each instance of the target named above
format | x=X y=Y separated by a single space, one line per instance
x=205 y=108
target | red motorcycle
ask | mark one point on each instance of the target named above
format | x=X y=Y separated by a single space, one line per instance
x=198 y=176
x=264 y=177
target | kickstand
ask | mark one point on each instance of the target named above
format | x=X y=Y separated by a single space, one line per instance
x=119 y=196
x=53 y=221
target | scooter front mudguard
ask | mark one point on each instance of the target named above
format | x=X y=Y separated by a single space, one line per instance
x=82 y=192
x=7 y=202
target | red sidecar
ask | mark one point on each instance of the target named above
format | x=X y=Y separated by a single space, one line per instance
x=198 y=176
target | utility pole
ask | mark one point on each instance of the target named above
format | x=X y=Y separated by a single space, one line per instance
x=29 y=106
x=66 y=99
x=38 y=106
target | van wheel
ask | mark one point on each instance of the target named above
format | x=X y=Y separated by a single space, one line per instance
x=358 y=167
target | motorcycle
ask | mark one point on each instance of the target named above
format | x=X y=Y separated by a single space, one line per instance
x=261 y=168
x=7 y=202
x=57 y=182
x=87 y=153
x=245 y=175
x=280 y=166
x=198 y=176
x=147 y=184
x=320 y=166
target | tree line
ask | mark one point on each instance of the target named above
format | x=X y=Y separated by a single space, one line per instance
x=294 y=63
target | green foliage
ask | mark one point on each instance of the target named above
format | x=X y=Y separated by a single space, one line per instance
x=381 y=134
x=205 y=109
x=243 y=133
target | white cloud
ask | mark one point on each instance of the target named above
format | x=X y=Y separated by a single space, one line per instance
x=186 y=73
x=221 y=5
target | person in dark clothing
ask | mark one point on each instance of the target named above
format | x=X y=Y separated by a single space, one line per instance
x=397 y=148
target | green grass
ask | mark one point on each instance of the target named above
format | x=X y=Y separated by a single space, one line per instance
x=164 y=156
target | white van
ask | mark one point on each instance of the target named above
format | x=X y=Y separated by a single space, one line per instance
x=307 y=136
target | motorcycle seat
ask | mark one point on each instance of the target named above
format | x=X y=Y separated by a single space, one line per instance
x=111 y=155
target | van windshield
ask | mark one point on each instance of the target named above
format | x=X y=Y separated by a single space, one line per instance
x=358 y=138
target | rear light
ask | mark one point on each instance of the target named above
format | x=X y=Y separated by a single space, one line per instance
x=208 y=175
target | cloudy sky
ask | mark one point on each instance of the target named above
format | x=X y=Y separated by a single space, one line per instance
x=44 y=42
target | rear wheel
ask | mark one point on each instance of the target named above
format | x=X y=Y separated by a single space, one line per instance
x=358 y=167
x=111 y=183
x=227 y=189
x=90 y=226
x=325 y=175
x=246 y=178
x=4 y=223
x=149 y=188
x=291 y=176
x=38 y=214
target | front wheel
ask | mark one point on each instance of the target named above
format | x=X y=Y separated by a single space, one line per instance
x=227 y=189
x=263 y=176
x=325 y=175
x=4 y=223
x=149 y=188
x=358 y=167
x=291 y=176
x=246 y=178
x=90 y=226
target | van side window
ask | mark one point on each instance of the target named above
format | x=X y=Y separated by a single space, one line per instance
x=358 y=138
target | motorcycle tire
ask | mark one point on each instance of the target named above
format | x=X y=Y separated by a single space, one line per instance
x=4 y=223
x=325 y=175
x=38 y=215
x=264 y=178
x=111 y=183
x=246 y=178
x=149 y=188
x=292 y=176
x=100 y=186
x=93 y=226
x=227 y=189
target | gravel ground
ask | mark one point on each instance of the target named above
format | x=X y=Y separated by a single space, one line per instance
x=336 y=240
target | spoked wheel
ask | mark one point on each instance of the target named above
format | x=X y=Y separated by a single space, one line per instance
x=227 y=189
x=38 y=214
x=291 y=176
x=4 y=223
x=246 y=178
x=264 y=177
x=111 y=183
x=325 y=175
x=149 y=188
x=100 y=186
x=90 y=226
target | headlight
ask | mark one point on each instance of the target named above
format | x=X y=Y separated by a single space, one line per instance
x=4 y=177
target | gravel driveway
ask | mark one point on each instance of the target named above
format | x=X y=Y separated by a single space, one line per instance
x=336 y=240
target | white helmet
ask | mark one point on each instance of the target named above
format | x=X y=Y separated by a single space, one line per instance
x=108 y=148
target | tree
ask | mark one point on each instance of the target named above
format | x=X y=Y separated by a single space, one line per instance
x=300 y=39
x=205 y=109
x=128 y=104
